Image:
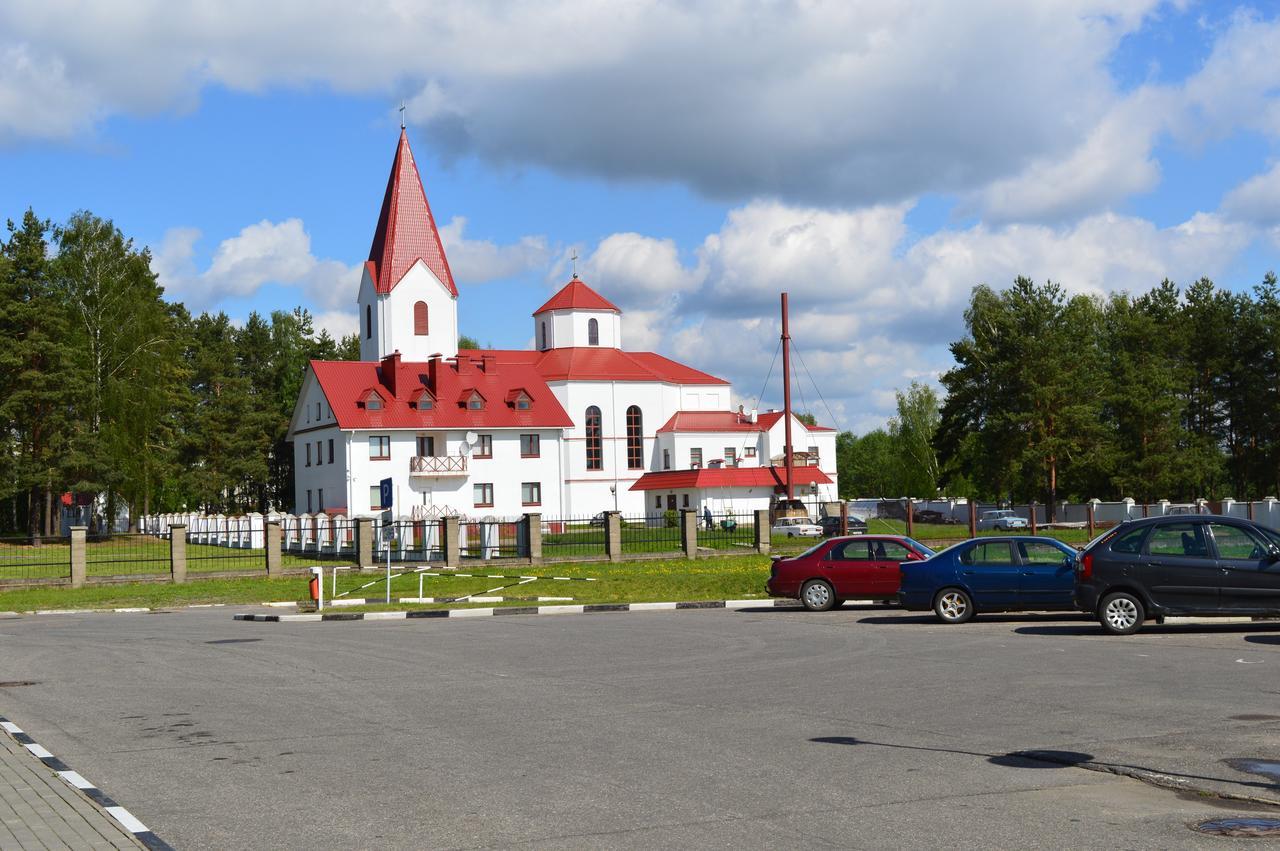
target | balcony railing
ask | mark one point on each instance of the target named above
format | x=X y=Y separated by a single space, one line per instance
x=441 y=465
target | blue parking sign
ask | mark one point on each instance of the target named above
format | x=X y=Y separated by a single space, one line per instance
x=385 y=487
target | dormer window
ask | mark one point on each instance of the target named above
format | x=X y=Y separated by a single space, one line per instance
x=471 y=400
x=423 y=402
x=520 y=399
x=371 y=402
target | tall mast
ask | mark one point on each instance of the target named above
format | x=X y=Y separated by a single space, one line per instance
x=786 y=395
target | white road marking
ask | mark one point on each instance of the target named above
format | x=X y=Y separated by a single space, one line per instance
x=38 y=750
x=126 y=819
x=74 y=778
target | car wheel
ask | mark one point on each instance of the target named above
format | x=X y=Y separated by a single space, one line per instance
x=791 y=534
x=953 y=606
x=1121 y=613
x=817 y=596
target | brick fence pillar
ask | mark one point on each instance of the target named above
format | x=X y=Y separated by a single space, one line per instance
x=764 y=538
x=178 y=552
x=364 y=542
x=533 y=534
x=78 y=558
x=689 y=532
x=452 y=542
x=613 y=535
x=272 y=543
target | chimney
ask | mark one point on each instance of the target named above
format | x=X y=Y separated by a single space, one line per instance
x=390 y=371
x=460 y=364
x=489 y=363
x=754 y=414
x=433 y=373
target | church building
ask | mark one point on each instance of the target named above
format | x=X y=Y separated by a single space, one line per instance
x=575 y=426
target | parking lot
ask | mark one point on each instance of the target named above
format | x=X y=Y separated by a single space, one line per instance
x=861 y=727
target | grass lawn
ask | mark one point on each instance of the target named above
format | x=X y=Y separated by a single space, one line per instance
x=155 y=594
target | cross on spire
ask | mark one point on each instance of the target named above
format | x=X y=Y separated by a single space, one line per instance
x=574 y=258
x=402 y=114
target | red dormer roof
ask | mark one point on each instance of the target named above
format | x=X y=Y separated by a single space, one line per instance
x=406 y=231
x=579 y=296
x=714 y=421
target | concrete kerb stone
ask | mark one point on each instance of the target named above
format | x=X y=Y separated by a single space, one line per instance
x=127 y=820
x=584 y=609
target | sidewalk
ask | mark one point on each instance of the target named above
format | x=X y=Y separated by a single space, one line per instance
x=39 y=810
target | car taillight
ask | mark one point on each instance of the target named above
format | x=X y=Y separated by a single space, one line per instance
x=1086 y=565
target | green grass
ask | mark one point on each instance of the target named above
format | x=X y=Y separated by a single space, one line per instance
x=155 y=594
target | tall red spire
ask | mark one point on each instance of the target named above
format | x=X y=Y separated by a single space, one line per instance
x=406 y=229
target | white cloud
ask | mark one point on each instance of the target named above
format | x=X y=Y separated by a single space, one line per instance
x=481 y=260
x=1257 y=199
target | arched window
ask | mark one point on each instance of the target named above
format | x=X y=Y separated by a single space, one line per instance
x=635 y=439
x=368 y=321
x=595 y=440
x=420 y=318
x=542 y=330
x=593 y=332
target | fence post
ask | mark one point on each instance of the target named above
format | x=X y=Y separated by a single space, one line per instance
x=178 y=552
x=364 y=542
x=763 y=539
x=1249 y=509
x=1089 y=512
x=973 y=518
x=452 y=542
x=689 y=532
x=533 y=534
x=273 y=547
x=844 y=517
x=1032 y=508
x=910 y=519
x=613 y=535
x=78 y=558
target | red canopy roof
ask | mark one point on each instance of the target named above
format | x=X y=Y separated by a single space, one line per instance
x=406 y=231
x=577 y=294
x=710 y=421
x=768 y=418
x=345 y=382
x=728 y=477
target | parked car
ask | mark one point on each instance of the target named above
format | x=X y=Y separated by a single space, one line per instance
x=850 y=567
x=927 y=515
x=797 y=527
x=831 y=526
x=1005 y=574
x=1180 y=565
x=1001 y=519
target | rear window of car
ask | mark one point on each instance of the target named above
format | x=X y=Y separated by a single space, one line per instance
x=1130 y=542
x=994 y=553
x=1178 y=539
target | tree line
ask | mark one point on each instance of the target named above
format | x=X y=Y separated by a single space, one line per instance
x=1169 y=394
x=107 y=388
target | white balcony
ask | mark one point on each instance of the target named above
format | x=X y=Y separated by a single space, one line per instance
x=435 y=466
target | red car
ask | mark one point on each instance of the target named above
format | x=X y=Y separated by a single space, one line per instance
x=859 y=567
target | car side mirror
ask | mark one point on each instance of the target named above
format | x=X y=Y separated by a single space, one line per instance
x=1273 y=553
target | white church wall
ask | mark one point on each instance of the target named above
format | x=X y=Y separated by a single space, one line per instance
x=393 y=317
x=569 y=328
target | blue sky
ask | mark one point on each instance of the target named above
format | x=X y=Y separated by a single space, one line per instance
x=698 y=158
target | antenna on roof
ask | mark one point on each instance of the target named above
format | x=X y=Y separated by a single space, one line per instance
x=574 y=258
x=402 y=113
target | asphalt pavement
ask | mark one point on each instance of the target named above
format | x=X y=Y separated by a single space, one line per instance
x=859 y=728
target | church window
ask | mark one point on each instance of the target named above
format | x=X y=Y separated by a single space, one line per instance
x=542 y=330
x=635 y=438
x=368 y=321
x=595 y=440
x=420 y=318
x=593 y=332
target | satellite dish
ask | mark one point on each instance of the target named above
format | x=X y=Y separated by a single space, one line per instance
x=471 y=437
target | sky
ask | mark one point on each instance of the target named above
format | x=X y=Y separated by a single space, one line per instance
x=876 y=160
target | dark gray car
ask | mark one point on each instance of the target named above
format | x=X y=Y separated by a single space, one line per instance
x=1202 y=565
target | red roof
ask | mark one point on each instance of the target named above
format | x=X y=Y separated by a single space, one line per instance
x=345 y=382
x=770 y=417
x=576 y=294
x=406 y=231
x=710 y=421
x=589 y=363
x=729 y=477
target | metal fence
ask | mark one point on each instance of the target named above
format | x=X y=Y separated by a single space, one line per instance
x=411 y=541
x=126 y=553
x=573 y=537
x=332 y=540
x=223 y=552
x=649 y=533
x=727 y=531
x=489 y=539
x=35 y=558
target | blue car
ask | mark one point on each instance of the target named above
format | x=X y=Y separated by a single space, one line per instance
x=1005 y=574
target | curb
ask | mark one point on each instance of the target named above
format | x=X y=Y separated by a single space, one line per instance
x=585 y=609
x=123 y=817
x=131 y=610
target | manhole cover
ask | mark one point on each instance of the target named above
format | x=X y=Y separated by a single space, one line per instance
x=1243 y=826
x=16 y=683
